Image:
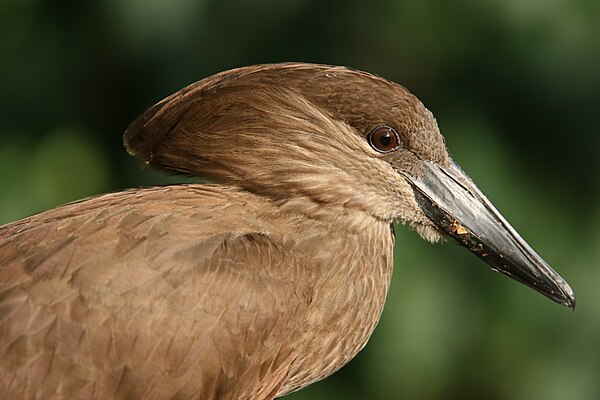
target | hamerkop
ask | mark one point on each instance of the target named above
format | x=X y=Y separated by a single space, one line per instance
x=255 y=286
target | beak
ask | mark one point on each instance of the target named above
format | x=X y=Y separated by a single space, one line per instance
x=450 y=199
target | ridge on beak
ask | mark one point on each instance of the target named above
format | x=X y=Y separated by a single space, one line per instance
x=450 y=199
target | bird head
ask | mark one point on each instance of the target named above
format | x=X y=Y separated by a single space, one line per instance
x=314 y=137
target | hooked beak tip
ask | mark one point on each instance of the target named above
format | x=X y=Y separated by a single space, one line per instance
x=569 y=298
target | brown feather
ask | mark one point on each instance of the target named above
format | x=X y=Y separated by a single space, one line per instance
x=152 y=292
x=246 y=290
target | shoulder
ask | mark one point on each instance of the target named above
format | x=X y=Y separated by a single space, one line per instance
x=143 y=277
x=150 y=228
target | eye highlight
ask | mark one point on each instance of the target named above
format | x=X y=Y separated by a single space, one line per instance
x=384 y=139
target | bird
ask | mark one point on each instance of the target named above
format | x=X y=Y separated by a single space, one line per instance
x=267 y=278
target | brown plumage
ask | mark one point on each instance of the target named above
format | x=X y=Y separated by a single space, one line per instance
x=251 y=288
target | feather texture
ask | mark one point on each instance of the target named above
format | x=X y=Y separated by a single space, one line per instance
x=180 y=292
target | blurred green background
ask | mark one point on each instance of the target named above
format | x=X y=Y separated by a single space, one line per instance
x=514 y=84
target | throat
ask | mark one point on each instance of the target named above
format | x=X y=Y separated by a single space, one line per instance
x=348 y=298
x=339 y=217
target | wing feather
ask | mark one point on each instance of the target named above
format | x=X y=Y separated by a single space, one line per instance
x=172 y=292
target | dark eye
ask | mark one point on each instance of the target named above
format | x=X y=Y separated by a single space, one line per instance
x=384 y=139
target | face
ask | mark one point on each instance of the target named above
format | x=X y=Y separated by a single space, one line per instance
x=407 y=138
x=334 y=137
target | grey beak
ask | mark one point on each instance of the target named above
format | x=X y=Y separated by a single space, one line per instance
x=450 y=199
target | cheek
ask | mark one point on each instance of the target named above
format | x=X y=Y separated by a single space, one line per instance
x=405 y=207
x=407 y=211
x=405 y=161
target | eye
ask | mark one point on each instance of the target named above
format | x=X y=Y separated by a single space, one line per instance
x=384 y=139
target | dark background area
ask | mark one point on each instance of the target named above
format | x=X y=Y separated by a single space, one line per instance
x=515 y=86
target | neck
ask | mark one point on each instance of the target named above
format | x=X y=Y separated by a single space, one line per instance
x=350 y=255
x=339 y=217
